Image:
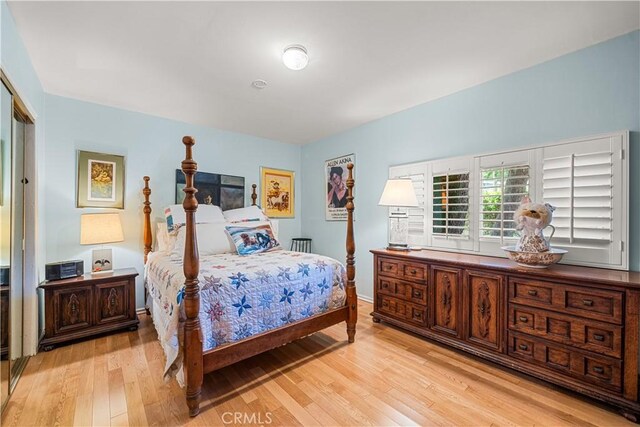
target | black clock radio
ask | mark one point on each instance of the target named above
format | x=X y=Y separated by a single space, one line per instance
x=64 y=269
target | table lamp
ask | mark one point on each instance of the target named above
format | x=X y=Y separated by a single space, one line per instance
x=398 y=193
x=96 y=229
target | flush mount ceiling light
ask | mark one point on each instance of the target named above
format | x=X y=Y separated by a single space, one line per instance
x=295 y=57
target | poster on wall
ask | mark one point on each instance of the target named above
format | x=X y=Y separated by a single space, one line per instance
x=336 y=174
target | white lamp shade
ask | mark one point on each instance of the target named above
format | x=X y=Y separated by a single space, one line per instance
x=100 y=228
x=398 y=192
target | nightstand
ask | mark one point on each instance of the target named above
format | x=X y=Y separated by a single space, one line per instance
x=88 y=305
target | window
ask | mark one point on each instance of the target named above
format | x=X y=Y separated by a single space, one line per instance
x=467 y=203
x=502 y=189
x=450 y=199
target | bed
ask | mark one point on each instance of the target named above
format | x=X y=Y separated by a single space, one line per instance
x=215 y=310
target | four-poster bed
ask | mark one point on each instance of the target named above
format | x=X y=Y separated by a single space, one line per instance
x=196 y=361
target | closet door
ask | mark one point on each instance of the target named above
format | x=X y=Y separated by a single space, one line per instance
x=6 y=114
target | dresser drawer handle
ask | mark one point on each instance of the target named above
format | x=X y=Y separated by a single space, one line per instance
x=417 y=294
x=417 y=315
x=385 y=285
x=413 y=272
x=388 y=267
x=523 y=347
x=523 y=319
x=587 y=302
x=598 y=337
x=598 y=369
x=533 y=292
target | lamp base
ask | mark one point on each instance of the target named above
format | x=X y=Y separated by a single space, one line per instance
x=398 y=247
x=102 y=261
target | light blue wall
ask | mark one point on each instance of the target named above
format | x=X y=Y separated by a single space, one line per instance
x=152 y=146
x=591 y=91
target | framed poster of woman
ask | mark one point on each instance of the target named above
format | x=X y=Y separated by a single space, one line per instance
x=336 y=196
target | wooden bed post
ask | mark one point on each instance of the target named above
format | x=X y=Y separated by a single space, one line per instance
x=192 y=350
x=352 y=297
x=254 y=195
x=148 y=240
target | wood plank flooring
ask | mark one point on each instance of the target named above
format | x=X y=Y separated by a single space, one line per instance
x=387 y=377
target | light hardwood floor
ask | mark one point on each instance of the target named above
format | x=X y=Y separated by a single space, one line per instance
x=386 y=377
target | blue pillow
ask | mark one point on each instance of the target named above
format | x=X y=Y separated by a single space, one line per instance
x=252 y=240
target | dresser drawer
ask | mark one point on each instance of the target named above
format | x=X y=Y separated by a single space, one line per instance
x=590 y=303
x=596 y=304
x=413 y=313
x=599 y=337
x=403 y=269
x=388 y=266
x=413 y=271
x=599 y=370
x=407 y=291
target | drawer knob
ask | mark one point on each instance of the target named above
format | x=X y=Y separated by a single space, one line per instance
x=523 y=319
x=598 y=337
x=417 y=294
x=533 y=292
x=523 y=347
x=598 y=369
x=388 y=267
x=413 y=272
x=385 y=285
x=417 y=315
x=587 y=302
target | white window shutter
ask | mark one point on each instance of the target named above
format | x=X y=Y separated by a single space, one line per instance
x=585 y=182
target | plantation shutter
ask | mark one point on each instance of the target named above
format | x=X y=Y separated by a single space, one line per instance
x=449 y=204
x=501 y=190
x=584 y=182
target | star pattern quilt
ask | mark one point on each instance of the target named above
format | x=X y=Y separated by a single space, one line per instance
x=241 y=296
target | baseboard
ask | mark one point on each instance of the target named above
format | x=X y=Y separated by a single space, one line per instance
x=366 y=299
x=140 y=311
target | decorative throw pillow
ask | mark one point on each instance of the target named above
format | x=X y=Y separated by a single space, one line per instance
x=250 y=213
x=205 y=214
x=253 y=239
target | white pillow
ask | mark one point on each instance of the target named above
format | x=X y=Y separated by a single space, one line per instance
x=212 y=240
x=163 y=238
x=176 y=216
x=250 y=213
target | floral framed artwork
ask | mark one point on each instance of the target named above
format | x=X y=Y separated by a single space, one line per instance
x=277 y=192
x=100 y=180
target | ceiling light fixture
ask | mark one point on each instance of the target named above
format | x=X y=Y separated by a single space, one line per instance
x=295 y=57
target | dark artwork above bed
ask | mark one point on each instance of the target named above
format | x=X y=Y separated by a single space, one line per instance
x=225 y=191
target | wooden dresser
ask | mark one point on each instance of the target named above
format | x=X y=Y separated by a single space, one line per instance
x=88 y=305
x=572 y=326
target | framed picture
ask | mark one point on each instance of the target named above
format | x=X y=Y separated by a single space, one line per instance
x=336 y=174
x=100 y=180
x=277 y=192
x=226 y=191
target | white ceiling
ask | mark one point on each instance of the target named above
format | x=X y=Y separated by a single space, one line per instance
x=195 y=61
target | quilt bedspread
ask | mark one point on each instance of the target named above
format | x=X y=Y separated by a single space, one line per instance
x=241 y=296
